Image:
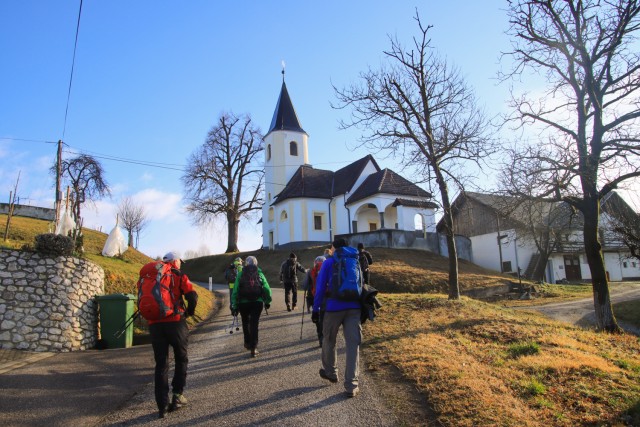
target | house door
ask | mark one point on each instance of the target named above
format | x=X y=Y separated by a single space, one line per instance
x=572 y=267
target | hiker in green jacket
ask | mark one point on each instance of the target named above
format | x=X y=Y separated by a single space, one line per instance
x=250 y=294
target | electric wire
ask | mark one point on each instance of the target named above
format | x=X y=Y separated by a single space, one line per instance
x=73 y=62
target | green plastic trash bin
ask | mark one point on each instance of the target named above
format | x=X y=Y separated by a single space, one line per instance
x=115 y=311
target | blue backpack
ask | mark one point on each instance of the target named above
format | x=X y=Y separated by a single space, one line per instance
x=346 y=280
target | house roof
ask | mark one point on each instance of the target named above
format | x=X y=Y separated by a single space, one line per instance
x=387 y=181
x=284 y=116
x=324 y=184
x=307 y=182
x=553 y=214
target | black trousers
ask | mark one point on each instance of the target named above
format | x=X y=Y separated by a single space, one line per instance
x=289 y=289
x=365 y=276
x=250 y=314
x=163 y=336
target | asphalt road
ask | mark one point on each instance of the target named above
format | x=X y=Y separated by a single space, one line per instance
x=280 y=387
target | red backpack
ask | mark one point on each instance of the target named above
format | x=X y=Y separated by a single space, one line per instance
x=155 y=291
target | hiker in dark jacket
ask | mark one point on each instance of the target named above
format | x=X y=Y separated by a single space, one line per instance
x=250 y=305
x=365 y=259
x=289 y=277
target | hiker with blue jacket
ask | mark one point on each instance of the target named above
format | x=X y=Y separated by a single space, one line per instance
x=339 y=286
x=251 y=293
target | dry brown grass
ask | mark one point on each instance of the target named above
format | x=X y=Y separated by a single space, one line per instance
x=460 y=355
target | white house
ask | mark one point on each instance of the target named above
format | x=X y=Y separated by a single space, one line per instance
x=305 y=206
x=477 y=217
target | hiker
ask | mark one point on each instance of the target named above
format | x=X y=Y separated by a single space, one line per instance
x=289 y=277
x=250 y=294
x=231 y=272
x=310 y=288
x=173 y=331
x=342 y=307
x=327 y=253
x=366 y=260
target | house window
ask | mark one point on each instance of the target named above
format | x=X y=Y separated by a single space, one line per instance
x=317 y=222
x=373 y=226
x=293 y=148
x=633 y=264
x=283 y=216
x=625 y=265
x=268 y=152
x=506 y=266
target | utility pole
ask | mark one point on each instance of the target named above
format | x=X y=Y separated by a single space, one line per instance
x=58 y=179
x=12 y=204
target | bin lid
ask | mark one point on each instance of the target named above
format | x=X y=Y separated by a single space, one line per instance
x=119 y=297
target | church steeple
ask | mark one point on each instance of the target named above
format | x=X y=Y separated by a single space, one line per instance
x=285 y=117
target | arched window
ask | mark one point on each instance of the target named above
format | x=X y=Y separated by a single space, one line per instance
x=283 y=216
x=293 y=148
x=268 y=152
x=270 y=214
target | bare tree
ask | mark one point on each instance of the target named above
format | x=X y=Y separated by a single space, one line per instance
x=134 y=218
x=85 y=175
x=590 y=109
x=419 y=108
x=222 y=171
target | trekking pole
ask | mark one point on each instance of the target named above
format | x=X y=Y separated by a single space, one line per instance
x=303 y=308
x=128 y=322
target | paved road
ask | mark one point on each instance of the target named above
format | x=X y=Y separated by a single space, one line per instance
x=281 y=387
x=580 y=312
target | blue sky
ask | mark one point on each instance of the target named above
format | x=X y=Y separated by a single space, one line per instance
x=152 y=77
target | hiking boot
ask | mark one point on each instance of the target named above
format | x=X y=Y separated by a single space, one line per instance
x=254 y=352
x=162 y=412
x=288 y=307
x=177 y=402
x=352 y=393
x=293 y=307
x=324 y=375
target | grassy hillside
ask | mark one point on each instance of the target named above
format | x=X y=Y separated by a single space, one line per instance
x=393 y=270
x=479 y=364
x=121 y=273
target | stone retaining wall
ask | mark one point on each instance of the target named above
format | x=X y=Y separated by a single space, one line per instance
x=48 y=304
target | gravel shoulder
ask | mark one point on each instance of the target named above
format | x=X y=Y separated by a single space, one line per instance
x=281 y=387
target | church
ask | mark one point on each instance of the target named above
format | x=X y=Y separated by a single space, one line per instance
x=304 y=206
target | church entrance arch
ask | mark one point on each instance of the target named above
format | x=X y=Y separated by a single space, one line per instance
x=366 y=218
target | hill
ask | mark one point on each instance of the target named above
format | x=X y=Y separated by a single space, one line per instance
x=121 y=273
x=393 y=270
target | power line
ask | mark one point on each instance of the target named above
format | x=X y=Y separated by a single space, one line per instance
x=73 y=62
x=8 y=138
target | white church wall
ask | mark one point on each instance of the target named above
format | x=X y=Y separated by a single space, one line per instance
x=317 y=207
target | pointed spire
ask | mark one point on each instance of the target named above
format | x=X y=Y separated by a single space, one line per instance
x=285 y=117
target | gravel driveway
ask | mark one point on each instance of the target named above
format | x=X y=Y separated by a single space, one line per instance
x=280 y=387
x=580 y=312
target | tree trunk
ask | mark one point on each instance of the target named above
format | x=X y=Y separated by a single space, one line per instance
x=605 y=319
x=454 y=288
x=232 y=233
x=130 y=240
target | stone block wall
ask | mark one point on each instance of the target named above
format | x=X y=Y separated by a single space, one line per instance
x=48 y=304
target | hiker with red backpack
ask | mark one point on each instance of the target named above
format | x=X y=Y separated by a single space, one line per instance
x=309 y=286
x=338 y=292
x=161 y=289
x=250 y=294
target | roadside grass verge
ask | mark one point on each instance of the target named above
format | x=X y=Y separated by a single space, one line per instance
x=482 y=364
x=548 y=293
x=628 y=311
x=121 y=272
